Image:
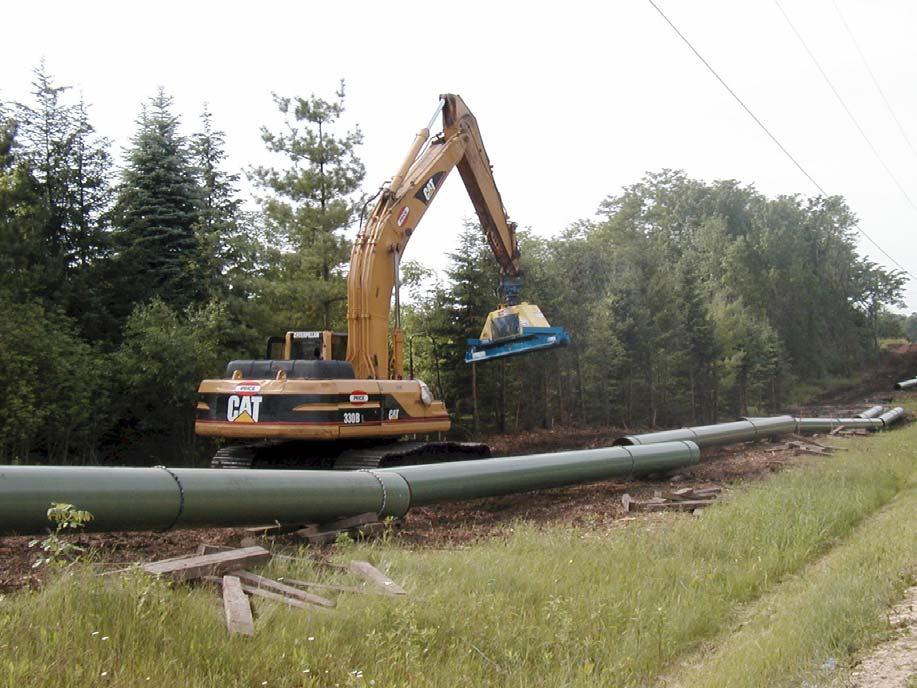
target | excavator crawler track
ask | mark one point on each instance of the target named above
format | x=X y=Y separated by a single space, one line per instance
x=293 y=455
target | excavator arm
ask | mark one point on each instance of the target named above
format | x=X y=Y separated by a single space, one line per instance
x=475 y=170
x=381 y=241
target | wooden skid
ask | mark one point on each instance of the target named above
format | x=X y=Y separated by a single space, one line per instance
x=266 y=583
x=324 y=586
x=237 y=608
x=373 y=575
x=363 y=525
x=269 y=595
x=698 y=500
x=216 y=563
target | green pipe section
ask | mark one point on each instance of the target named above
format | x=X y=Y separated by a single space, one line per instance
x=871 y=412
x=773 y=426
x=890 y=417
x=744 y=430
x=828 y=424
x=749 y=429
x=160 y=498
x=906 y=384
x=431 y=483
x=122 y=499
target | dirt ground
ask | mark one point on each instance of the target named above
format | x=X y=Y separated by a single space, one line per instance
x=461 y=523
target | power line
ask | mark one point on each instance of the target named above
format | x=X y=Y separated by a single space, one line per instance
x=768 y=132
x=875 y=81
x=843 y=104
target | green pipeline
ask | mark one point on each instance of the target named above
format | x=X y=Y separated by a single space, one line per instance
x=124 y=499
x=749 y=429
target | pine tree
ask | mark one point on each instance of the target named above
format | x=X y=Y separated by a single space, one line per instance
x=45 y=133
x=230 y=243
x=459 y=314
x=72 y=167
x=309 y=204
x=221 y=208
x=157 y=210
x=22 y=220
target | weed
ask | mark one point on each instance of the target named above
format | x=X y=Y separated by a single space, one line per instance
x=56 y=550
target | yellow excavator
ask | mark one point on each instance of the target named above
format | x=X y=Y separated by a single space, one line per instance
x=328 y=399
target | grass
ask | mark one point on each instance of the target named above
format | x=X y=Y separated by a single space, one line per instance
x=555 y=606
x=811 y=625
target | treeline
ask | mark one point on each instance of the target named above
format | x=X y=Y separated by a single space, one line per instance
x=687 y=302
x=126 y=283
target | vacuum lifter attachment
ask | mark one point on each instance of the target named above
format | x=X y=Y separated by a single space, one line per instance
x=514 y=330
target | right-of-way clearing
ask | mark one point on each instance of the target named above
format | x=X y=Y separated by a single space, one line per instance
x=782 y=580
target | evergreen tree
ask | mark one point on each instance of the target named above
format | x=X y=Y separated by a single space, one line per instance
x=45 y=134
x=308 y=205
x=229 y=241
x=72 y=167
x=221 y=207
x=702 y=348
x=22 y=221
x=157 y=211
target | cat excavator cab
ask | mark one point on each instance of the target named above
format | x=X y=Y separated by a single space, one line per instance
x=327 y=399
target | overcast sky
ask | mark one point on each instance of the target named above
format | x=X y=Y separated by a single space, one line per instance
x=574 y=99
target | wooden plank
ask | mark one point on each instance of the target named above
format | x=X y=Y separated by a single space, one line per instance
x=814 y=443
x=376 y=577
x=237 y=608
x=274 y=529
x=326 y=537
x=205 y=548
x=350 y=522
x=216 y=563
x=684 y=505
x=324 y=586
x=707 y=492
x=158 y=561
x=627 y=501
x=267 y=594
x=277 y=586
x=365 y=525
x=683 y=493
x=810 y=448
x=814 y=451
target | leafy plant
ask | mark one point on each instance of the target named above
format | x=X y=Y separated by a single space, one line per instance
x=57 y=551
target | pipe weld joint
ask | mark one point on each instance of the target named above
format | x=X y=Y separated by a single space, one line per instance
x=382 y=485
x=181 y=499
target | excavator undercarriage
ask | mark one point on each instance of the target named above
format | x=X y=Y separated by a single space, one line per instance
x=347 y=456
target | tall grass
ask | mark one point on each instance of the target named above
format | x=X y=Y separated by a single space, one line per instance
x=809 y=627
x=555 y=606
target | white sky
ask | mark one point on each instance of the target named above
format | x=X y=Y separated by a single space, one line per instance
x=574 y=99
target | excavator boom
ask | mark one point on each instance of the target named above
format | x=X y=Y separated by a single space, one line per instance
x=381 y=242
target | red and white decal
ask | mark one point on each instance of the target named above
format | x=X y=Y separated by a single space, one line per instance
x=244 y=388
x=403 y=215
x=359 y=397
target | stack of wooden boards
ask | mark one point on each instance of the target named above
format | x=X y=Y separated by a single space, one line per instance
x=683 y=499
x=359 y=527
x=808 y=445
x=228 y=568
